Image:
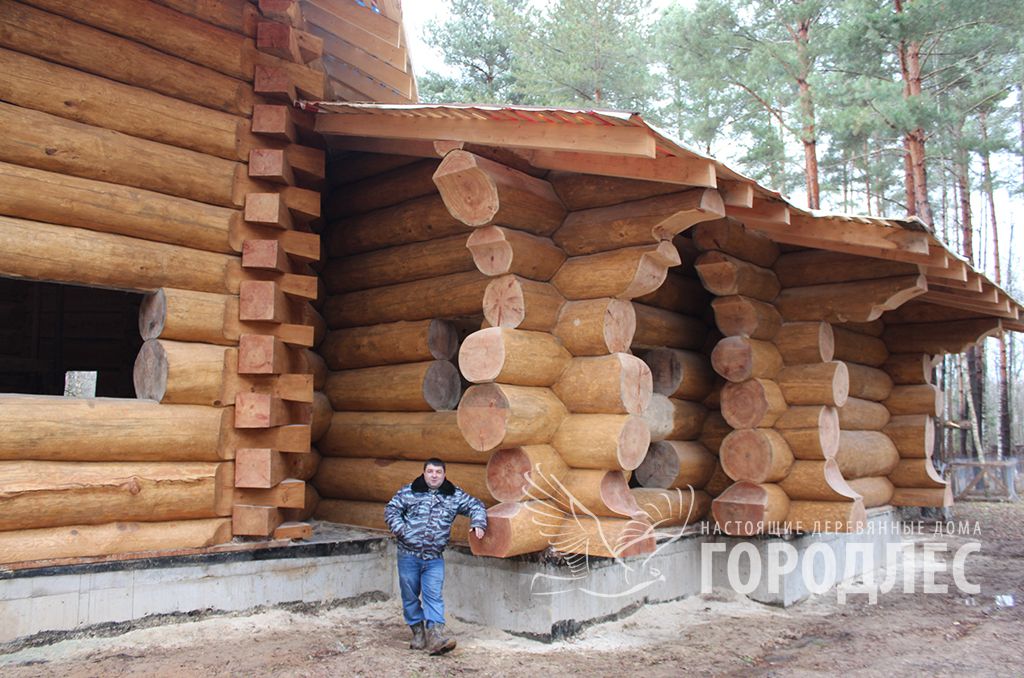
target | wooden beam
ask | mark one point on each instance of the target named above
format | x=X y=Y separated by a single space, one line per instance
x=972 y=284
x=337 y=48
x=937 y=338
x=364 y=18
x=861 y=301
x=853 y=237
x=692 y=171
x=951 y=272
x=737 y=193
x=415 y=149
x=608 y=139
x=965 y=302
x=357 y=80
x=322 y=13
x=771 y=214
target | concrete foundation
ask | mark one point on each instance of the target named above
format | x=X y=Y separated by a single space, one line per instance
x=524 y=596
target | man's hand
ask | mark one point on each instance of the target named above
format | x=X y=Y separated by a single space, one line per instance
x=478 y=532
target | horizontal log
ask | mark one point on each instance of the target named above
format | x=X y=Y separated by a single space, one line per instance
x=746 y=509
x=186 y=373
x=416 y=220
x=515 y=302
x=40 y=494
x=913 y=435
x=826 y=516
x=866 y=453
x=380 y=191
x=681 y=374
x=915 y=399
x=916 y=473
x=290 y=493
x=596 y=326
x=512 y=530
x=636 y=223
x=953 y=336
x=614 y=384
x=860 y=301
x=624 y=274
x=659 y=328
x=499 y=251
x=724 y=275
x=820 y=267
x=499 y=415
x=736 y=315
x=584 y=191
x=909 y=368
x=759 y=455
x=389 y=344
x=874 y=491
x=672 y=507
x=868 y=383
x=380 y=479
x=301 y=466
x=860 y=414
x=806 y=342
x=525 y=473
x=595 y=492
x=817 y=480
x=860 y=348
x=916 y=496
x=676 y=464
x=398 y=435
x=756 y=403
x=410 y=387
x=718 y=483
x=680 y=294
x=815 y=383
x=602 y=441
x=393 y=265
x=480 y=192
x=674 y=419
x=460 y=294
x=235 y=15
x=731 y=237
x=82 y=541
x=513 y=357
x=605 y=537
x=741 y=358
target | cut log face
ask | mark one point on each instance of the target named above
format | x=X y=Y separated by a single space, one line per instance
x=724 y=276
x=730 y=236
x=513 y=357
x=739 y=315
x=741 y=358
x=602 y=441
x=389 y=344
x=498 y=251
x=497 y=415
x=624 y=274
x=676 y=464
x=596 y=492
x=806 y=342
x=412 y=387
x=515 y=302
x=752 y=404
x=672 y=507
x=757 y=455
x=521 y=473
x=680 y=374
x=183 y=373
x=746 y=508
x=615 y=384
x=817 y=481
x=596 y=326
x=816 y=384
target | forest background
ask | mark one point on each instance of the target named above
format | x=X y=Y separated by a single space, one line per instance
x=879 y=107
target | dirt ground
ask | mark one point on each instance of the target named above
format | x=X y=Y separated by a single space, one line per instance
x=914 y=634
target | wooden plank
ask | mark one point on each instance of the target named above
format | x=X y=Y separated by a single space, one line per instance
x=972 y=284
x=278 y=39
x=362 y=83
x=689 y=171
x=624 y=140
x=335 y=47
x=953 y=300
x=317 y=12
x=364 y=18
x=737 y=193
x=408 y=148
x=767 y=213
x=293 y=530
x=868 y=240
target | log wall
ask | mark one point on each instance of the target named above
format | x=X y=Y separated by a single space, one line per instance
x=144 y=151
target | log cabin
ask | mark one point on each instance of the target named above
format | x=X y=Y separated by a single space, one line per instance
x=296 y=283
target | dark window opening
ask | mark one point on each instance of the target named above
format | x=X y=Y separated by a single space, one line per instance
x=48 y=330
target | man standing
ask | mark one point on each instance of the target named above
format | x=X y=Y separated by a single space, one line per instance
x=421 y=515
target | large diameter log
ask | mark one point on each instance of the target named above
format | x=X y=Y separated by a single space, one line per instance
x=411 y=387
x=398 y=435
x=320 y=417
x=184 y=373
x=513 y=529
x=679 y=293
x=371 y=514
x=514 y=302
x=913 y=435
x=869 y=383
x=746 y=509
x=915 y=399
x=755 y=403
x=54 y=493
x=800 y=343
x=404 y=263
x=916 y=473
x=389 y=344
x=865 y=415
x=656 y=327
x=377 y=192
x=30 y=249
x=379 y=479
x=602 y=441
x=866 y=453
x=815 y=384
x=737 y=314
x=859 y=348
x=184 y=315
x=714 y=431
x=826 y=516
x=459 y=294
x=860 y=301
x=674 y=419
x=417 y=220
x=812 y=431
x=310 y=502
x=513 y=357
x=108 y=429
x=741 y=358
x=499 y=251
x=301 y=466
x=730 y=236
x=681 y=374
x=953 y=336
x=615 y=384
x=523 y=473
x=809 y=480
x=723 y=275
x=874 y=491
x=605 y=537
x=909 y=368
x=478 y=192
x=916 y=496
x=82 y=541
x=595 y=492
x=718 y=483
x=639 y=222
x=672 y=464
x=624 y=274
x=760 y=455
x=672 y=507
x=500 y=415
x=819 y=267
x=583 y=191
x=596 y=326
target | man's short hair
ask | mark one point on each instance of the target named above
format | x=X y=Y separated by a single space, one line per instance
x=433 y=461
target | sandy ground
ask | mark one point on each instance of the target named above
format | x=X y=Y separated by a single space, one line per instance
x=948 y=633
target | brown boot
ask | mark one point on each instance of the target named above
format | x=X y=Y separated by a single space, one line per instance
x=439 y=642
x=419 y=638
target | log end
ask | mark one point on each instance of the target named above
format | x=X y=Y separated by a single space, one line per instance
x=442 y=386
x=733 y=358
x=666 y=370
x=469 y=193
x=659 y=468
x=442 y=339
x=619 y=325
x=634 y=439
x=616 y=495
x=505 y=302
x=507 y=474
x=744 y=405
x=150 y=371
x=153 y=315
x=635 y=384
x=491 y=251
x=747 y=455
x=483 y=416
x=497 y=540
x=482 y=355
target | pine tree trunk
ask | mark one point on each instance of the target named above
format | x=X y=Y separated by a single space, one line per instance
x=808 y=135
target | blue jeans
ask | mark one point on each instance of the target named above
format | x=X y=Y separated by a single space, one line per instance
x=415 y=577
